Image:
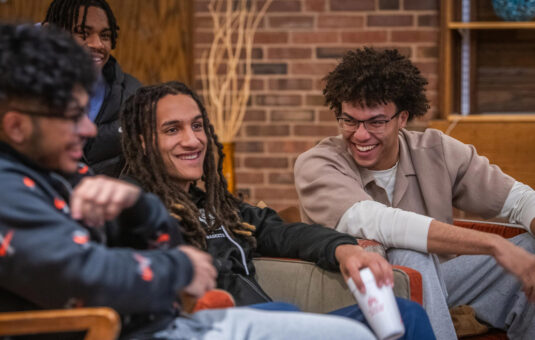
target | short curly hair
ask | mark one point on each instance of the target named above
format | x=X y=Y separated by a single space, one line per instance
x=42 y=66
x=371 y=77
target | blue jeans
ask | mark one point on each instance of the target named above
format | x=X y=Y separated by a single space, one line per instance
x=417 y=325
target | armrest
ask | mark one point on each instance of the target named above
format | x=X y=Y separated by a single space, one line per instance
x=101 y=323
x=212 y=299
x=408 y=284
x=502 y=229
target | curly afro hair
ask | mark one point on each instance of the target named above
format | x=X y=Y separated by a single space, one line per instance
x=370 y=77
x=42 y=66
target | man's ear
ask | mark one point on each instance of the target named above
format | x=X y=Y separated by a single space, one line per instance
x=403 y=118
x=16 y=127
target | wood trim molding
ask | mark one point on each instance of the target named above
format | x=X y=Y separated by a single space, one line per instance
x=517 y=118
x=491 y=25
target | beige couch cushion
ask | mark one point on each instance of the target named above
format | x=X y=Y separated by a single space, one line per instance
x=311 y=288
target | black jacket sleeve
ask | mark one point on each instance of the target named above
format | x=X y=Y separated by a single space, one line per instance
x=310 y=242
x=49 y=259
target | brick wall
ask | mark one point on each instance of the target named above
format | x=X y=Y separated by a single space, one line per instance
x=297 y=44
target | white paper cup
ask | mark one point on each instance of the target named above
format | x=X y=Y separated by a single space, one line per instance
x=379 y=307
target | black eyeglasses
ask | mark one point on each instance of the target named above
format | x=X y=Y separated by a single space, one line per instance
x=377 y=126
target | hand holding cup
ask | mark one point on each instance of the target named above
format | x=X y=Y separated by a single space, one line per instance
x=379 y=307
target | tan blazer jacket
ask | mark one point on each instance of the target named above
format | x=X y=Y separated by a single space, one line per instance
x=435 y=174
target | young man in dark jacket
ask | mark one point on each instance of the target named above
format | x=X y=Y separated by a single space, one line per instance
x=93 y=25
x=62 y=247
x=185 y=150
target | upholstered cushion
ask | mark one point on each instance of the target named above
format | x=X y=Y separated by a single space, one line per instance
x=314 y=289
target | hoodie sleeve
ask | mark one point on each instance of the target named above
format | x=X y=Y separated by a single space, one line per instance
x=145 y=225
x=49 y=259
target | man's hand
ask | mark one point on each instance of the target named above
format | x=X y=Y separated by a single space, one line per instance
x=352 y=258
x=98 y=199
x=519 y=263
x=204 y=272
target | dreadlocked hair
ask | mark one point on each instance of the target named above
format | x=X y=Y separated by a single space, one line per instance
x=65 y=14
x=144 y=163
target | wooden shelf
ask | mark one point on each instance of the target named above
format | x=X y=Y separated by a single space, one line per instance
x=485 y=68
x=492 y=25
x=500 y=65
x=493 y=118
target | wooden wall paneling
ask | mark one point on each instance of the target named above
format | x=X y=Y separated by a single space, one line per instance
x=506 y=71
x=155 y=39
x=510 y=144
x=23 y=10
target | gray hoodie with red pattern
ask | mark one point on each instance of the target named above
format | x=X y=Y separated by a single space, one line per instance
x=48 y=260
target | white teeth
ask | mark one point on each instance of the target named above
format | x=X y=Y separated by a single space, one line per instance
x=191 y=156
x=365 y=148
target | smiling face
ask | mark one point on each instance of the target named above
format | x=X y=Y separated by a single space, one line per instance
x=95 y=35
x=182 y=141
x=57 y=143
x=379 y=151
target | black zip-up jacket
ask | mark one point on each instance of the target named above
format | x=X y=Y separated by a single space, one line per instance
x=275 y=238
x=48 y=260
x=104 y=153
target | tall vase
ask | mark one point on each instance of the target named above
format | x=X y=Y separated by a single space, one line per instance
x=228 y=166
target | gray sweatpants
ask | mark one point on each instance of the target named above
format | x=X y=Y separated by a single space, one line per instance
x=475 y=280
x=434 y=290
x=247 y=323
x=495 y=295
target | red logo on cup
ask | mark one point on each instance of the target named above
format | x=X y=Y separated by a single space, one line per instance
x=372 y=301
x=374 y=306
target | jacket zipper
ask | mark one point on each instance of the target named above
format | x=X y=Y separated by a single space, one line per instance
x=244 y=262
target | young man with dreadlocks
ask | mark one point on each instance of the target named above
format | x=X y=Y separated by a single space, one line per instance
x=55 y=251
x=380 y=181
x=169 y=145
x=93 y=25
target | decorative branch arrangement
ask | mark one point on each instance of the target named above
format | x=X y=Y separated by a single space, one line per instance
x=226 y=66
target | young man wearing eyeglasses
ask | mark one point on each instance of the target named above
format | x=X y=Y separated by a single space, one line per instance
x=379 y=181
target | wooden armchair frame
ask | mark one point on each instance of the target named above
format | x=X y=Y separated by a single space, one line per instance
x=100 y=323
